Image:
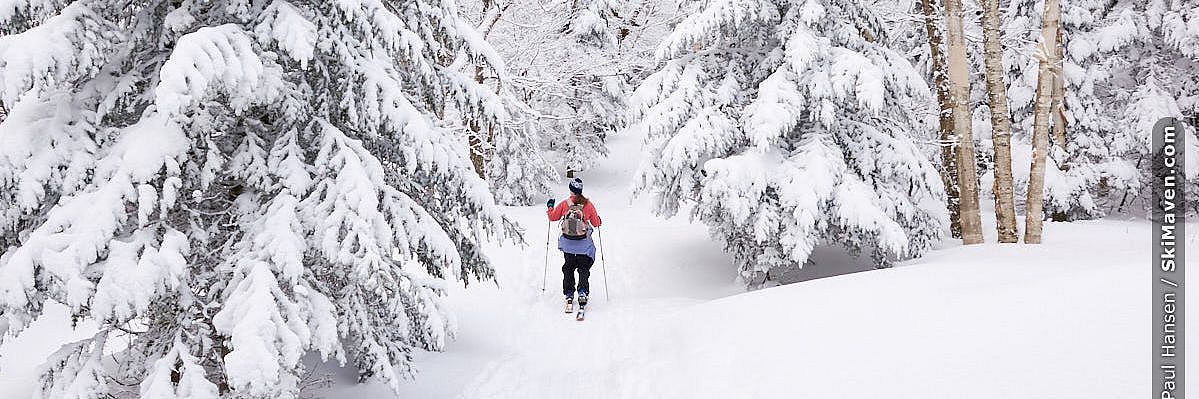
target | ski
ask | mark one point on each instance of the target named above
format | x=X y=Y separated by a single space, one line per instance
x=579 y=315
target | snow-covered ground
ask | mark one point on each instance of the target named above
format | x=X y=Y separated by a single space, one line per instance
x=1066 y=319
x=979 y=322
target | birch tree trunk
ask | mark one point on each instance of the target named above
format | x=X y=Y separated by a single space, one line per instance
x=960 y=95
x=1059 y=136
x=1046 y=75
x=949 y=147
x=1001 y=131
x=1059 y=97
x=1058 y=112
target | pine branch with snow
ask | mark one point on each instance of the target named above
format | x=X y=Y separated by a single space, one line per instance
x=234 y=185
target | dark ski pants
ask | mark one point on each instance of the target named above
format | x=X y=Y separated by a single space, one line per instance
x=580 y=263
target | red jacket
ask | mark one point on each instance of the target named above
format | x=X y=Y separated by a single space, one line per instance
x=558 y=211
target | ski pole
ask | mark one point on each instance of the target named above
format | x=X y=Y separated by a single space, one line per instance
x=549 y=230
x=603 y=265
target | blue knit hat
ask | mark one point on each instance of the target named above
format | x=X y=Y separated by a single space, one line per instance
x=576 y=186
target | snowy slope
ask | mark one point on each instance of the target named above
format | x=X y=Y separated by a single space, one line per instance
x=1064 y=320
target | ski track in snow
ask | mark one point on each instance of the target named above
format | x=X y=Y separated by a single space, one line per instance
x=654 y=267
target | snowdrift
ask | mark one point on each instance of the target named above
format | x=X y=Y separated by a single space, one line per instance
x=1068 y=319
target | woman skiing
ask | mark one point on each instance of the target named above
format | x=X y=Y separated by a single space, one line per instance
x=577 y=218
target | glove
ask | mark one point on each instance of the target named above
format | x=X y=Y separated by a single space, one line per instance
x=550 y=203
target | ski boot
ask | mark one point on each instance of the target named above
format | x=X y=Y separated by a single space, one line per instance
x=582 y=306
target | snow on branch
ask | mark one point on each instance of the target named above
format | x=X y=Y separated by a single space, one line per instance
x=211 y=59
x=711 y=21
x=68 y=46
x=82 y=228
x=290 y=30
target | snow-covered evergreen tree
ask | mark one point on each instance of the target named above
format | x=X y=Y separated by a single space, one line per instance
x=1119 y=77
x=573 y=64
x=519 y=174
x=596 y=95
x=228 y=185
x=1133 y=63
x=595 y=22
x=790 y=125
x=1114 y=64
x=500 y=151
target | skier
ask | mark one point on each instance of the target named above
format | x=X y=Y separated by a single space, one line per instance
x=577 y=218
